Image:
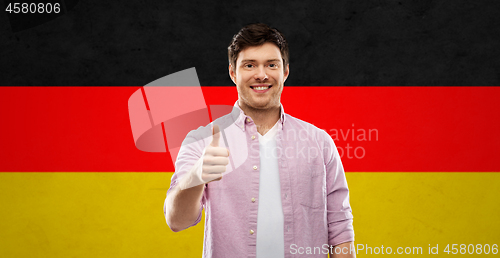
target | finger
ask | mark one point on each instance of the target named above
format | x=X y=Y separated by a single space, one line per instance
x=211 y=177
x=217 y=179
x=213 y=161
x=215 y=136
x=217 y=151
x=213 y=169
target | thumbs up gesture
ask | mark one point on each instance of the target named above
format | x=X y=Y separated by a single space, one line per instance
x=210 y=166
x=215 y=158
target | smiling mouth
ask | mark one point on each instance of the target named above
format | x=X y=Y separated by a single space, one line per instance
x=261 y=87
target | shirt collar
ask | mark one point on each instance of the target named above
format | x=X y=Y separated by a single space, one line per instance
x=240 y=117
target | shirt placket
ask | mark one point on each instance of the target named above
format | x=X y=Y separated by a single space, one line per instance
x=253 y=176
x=286 y=200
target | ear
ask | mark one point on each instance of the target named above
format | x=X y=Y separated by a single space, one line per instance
x=232 y=74
x=287 y=71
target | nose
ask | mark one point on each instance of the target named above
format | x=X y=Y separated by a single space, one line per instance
x=260 y=74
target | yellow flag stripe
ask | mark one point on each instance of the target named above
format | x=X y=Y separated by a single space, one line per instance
x=120 y=214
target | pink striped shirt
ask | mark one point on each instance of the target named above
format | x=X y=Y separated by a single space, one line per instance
x=314 y=192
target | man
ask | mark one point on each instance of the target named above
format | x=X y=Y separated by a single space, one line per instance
x=289 y=196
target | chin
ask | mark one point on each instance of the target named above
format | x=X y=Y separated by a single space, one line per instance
x=262 y=105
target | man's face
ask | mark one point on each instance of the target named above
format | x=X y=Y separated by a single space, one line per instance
x=259 y=76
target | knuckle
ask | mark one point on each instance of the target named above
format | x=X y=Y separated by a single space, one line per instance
x=207 y=160
x=220 y=161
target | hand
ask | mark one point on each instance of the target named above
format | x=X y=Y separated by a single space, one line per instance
x=215 y=158
x=209 y=166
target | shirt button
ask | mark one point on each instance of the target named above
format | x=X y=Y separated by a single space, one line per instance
x=253 y=199
x=254 y=167
x=248 y=120
x=251 y=232
x=253 y=137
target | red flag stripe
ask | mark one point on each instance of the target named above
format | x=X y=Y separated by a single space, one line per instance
x=422 y=129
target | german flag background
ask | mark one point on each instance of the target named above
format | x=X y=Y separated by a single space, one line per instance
x=421 y=162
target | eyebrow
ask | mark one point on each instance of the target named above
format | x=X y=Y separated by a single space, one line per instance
x=253 y=60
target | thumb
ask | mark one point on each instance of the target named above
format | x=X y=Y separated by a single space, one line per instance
x=215 y=136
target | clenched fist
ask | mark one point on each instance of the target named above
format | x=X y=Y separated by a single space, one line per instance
x=215 y=158
x=210 y=166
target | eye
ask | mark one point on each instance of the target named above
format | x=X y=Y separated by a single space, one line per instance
x=248 y=65
x=273 y=65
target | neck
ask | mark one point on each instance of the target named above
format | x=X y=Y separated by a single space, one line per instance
x=264 y=119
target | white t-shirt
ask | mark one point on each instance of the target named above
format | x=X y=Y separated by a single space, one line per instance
x=270 y=232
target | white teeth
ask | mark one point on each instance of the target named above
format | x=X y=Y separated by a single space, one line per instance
x=261 y=88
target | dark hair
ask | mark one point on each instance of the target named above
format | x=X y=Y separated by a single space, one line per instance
x=257 y=34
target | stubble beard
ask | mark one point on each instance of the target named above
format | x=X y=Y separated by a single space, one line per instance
x=274 y=102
